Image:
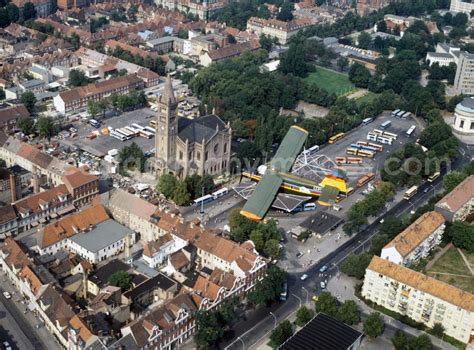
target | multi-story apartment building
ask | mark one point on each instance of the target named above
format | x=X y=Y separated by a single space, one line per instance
x=464 y=79
x=280 y=30
x=458 y=204
x=422 y=298
x=79 y=97
x=416 y=241
x=43 y=7
x=461 y=6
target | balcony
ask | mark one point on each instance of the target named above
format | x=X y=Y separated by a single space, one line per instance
x=405 y=293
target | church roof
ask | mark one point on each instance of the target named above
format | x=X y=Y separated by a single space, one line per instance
x=168 y=94
x=195 y=130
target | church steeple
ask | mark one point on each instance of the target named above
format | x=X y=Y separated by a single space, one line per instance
x=168 y=94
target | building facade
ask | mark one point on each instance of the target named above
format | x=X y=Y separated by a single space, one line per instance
x=458 y=204
x=421 y=298
x=416 y=241
x=282 y=31
x=461 y=6
x=464 y=117
x=190 y=146
x=464 y=79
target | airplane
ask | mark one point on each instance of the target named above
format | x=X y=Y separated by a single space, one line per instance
x=277 y=177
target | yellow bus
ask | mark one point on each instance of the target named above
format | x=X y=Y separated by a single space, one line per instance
x=336 y=137
x=434 y=176
x=410 y=193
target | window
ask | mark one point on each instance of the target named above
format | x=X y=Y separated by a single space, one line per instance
x=461 y=124
x=225 y=144
x=180 y=155
x=472 y=126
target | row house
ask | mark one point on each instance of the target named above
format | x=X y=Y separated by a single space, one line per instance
x=9 y=116
x=79 y=97
x=54 y=235
x=282 y=31
x=228 y=52
x=420 y=297
x=458 y=204
x=41 y=207
x=416 y=241
x=81 y=185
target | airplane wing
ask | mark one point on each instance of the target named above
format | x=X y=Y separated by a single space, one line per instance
x=289 y=149
x=328 y=196
x=262 y=198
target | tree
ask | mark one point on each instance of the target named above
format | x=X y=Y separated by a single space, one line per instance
x=303 y=316
x=272 y=248
x=422 y=342
x=13 y=12
x=285 y=13
x=93 y=108
x=462 y=234
x=208 y=328
x=364 y=39
x=26 y=125
x=374 y=325
x=131 y=158
x=266 y=42
x=77 y=78
x=293 y=61
x=46 y=127
x=452 y=179
x=121 y=279
x=348 y=312
x=29 y=11
x=181 y=195
x=240 y=226
x=438 y=330
x=355 y=264
x=327 y=304
x=400 y=340
x=283 y=331
x=75 y=40
x=167 y=185
x=342 y=62
x=359 y=75
x=29 y=100
x=269 y=288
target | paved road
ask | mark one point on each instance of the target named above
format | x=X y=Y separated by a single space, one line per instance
x=262 y=321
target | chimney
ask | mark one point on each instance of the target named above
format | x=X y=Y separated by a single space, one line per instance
x=13 y=187
x=84 y=282
x=35 y=182
x=127 y=246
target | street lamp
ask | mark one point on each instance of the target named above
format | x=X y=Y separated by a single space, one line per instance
x=243 y=344
x=307 y=295
x=274 y=317
x=297 y=297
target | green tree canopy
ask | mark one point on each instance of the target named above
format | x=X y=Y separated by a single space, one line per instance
x=365 y=40
x=167 y=185
x=208 y=328
x=359 y=75
x=26 y=125
x=29 y=100
x=374 y=325
x=281 y=333
x=181 y=195
x=77 y=78
x=355 y=264
x=46 y=127
x=348 y=312
x=29 y=11
x=268 y=289
x=121 y=279
x=285 y=12
x=303 y=316
x=462 y=234
x=327 y=304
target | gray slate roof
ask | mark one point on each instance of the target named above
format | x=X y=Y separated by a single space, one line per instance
x=102 y=235
x=195 y=130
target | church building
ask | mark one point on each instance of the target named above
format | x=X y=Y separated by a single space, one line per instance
x=189 y=146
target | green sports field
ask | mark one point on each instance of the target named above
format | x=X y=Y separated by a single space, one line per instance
x=331 y=81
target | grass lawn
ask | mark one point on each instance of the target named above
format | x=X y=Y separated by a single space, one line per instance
x=452 y=263
x=367 y=98
x=331 y=81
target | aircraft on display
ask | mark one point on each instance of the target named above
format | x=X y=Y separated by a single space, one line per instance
x=276 y=177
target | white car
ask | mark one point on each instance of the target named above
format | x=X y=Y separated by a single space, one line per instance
x=7 y=346
x=305 y=276
x=7 y=295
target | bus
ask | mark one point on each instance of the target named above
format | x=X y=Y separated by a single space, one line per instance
x=384 y=140
x=311 y=150
x=94 y=123
x=379 y=148
x=365 y=179
x=152 y=123
x=390 y=134
x=366 y=153
x=335 y=138
x=351 y=151
x=354 y=160
x=147 y=128
x=399 y=114
x=118 y=136
x=145 y=134
x=411 y=130
x=371 y=136
x=410 y=193
x=219 y=193
x=350 y=191
x=137 y=127
x=125 y=132
x=395 y=112
x=203 y=200
x=434 y=176
x=367 y=121
x=378 y=132
x=133 y=130
x=405 y=115
x=386 y=125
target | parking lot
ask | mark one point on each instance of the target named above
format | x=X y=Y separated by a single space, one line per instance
x=103 y=143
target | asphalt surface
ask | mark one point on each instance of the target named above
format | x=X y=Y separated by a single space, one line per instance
x=262 y=321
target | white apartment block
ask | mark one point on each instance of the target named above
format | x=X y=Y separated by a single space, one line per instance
x=283 y=31
x=464 y=80
x=444 y=55
x=416 y=241
x=461 y=6
x=422 y=298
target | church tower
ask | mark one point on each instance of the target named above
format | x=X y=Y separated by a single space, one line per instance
x=166 y=130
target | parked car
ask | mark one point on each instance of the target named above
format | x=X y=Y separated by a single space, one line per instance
x=299 y=254
x=6 y=345
x=323 y=285
x=305 y=276
x=324 y=268
x=7 y=295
